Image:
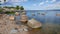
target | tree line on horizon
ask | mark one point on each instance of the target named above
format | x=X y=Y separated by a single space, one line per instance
x=17 y=7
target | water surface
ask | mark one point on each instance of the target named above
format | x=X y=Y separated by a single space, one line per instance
x=50 y=22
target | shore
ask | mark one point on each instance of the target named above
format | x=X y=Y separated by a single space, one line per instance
x=8 y=26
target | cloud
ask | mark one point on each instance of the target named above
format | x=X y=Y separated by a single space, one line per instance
x=54 y=6
x=17 y=1
x=2 y=1
x=47 y=1
x=7 y=0
x=51 y=6
x=50 y=1
x=53 y=1
x=41 y=3
x=47 y=7
x=25 y=0
x=34 y=4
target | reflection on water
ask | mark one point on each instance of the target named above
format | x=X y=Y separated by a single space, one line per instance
x=51 y=22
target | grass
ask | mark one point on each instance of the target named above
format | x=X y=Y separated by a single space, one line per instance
x=1 y=10
x=10 y=12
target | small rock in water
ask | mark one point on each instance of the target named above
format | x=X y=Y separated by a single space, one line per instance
x=33 y=14
x=57 y=14
x=13 y=31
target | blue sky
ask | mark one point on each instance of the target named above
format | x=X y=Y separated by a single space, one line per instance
x=34 y=4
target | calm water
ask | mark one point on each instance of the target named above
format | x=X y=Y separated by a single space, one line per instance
x=50 y=16
x=50 y=22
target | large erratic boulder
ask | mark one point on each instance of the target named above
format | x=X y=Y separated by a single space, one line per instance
x=34 y=23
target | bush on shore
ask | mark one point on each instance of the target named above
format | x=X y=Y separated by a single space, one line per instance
x=1 y=10
x=10 y=12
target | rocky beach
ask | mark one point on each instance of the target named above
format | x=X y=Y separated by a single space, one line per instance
x=21 y=24
x=8 y=24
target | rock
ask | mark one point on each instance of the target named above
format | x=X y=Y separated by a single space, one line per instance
x=13 y=31
x=57 y=14
x=23 y=13
x=24 y=18
x=33 y=14
x=23 y=28
x=11 y=17
x=43 y=13
x=34 y=23
x=1 y=16
x=16 y=13
x=20 y=30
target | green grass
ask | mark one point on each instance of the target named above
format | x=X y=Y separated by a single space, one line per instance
x=1 y=10
x=10 y=12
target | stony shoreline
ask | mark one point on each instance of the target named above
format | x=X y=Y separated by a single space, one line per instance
x=8 y=24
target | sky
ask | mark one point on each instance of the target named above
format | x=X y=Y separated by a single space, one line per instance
x=34 y=4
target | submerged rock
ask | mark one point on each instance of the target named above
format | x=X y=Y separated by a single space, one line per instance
x=43 y=13
x=33 y=14
x=57 y=14
x=34 y=23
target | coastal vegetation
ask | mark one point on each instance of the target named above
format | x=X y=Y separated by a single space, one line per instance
x=22 y=8
x=1 y=10
x=10 y=12
x=16 y=8
x=4 y=0
x=10 y=8
x=19 y=7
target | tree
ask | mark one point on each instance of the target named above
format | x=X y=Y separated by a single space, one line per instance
x=4 y=0
x=0 y=2
x=0 y=7
x=21 y=8
x=17 y=7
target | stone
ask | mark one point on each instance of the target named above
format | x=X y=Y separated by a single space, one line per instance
x=23 y=13
x=13 y=31
x=57 y=14
x=34 y=23
x=16 y=13
x=11 y=17
x=24 y=18
x=25 y=29
x=33 y=14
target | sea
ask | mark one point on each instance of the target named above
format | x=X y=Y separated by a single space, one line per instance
x=44 y=16
x=50 y=20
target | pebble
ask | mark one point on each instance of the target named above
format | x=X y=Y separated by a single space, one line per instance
x=25 y=29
